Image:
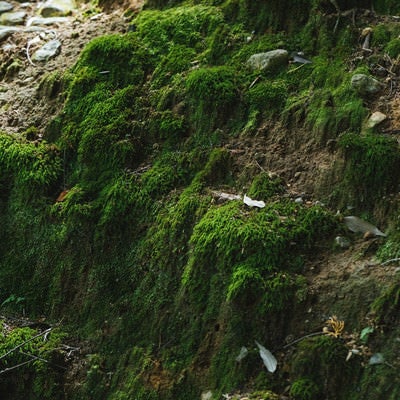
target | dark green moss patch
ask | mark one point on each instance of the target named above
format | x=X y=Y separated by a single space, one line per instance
x=372 y=162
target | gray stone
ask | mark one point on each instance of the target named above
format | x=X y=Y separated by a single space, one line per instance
x=5 y=6
x=35 y=21
x=269 y=60
x=375 y=119
x=6 y=31
x=13 y=18
x=365 y=85
x=49 y=50
x=57 y=8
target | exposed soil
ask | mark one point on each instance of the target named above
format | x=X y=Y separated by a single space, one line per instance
x=21 y=105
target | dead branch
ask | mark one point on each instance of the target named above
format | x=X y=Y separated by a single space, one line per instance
x=390 y=261
x=3 y=371
x=302 y=338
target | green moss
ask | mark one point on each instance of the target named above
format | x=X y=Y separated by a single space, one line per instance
x=387 y=6
x=268 y=16
x=381 y=35
x=177 y=60
x=252 y=249
x=32 y=166
x=319 y=366
x=265 y=99
x=305 y=389
x=371 y=165
x=386 y=307
x=33 y=362
x=393 y=48
x=265 y=186
x=223 y=42
x=212 y=94
x=115 y=59
x=50 y=85
x=186 y=26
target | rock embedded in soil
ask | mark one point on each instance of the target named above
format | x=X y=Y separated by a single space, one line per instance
x=375 y=119
x=35 y=21
x=57 y=8
x=49 y=50
x=365 y=85
x=6 y=31
x=5 y=6
x=269 y=60
x=13 y=18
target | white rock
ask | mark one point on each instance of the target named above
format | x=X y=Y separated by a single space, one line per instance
x=34 y=21
x=5 y=6
x=49 y=50
x=375 y=119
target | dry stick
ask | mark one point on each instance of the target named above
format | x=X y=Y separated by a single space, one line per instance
x=255 y=81
x=302 y=338
x=26 y=341
x=16 y=366
x=390 y=261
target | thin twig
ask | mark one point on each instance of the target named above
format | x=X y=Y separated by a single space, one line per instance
x=16 y=366
x=259 y=166
x=390 y=261
x=26 y=341
x=295 y=69
x=255 y=81
x=302 y=338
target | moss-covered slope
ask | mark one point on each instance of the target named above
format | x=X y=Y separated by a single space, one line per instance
x=114 y=222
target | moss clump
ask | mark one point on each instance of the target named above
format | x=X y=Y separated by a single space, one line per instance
x=305 y=389
x=265 y=186
x=212 y=95
x=386 y=307
x=325 y=103
x=319 y=366
x=35 y=367
x=251 y=250
x=177 y=60
x=372 y=163
x=381 y=35
x=393 y=48
x=186 y=26
x=30 y=166
x=387 y=6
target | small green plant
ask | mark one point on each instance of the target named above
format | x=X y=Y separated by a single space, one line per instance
x=13 y=300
